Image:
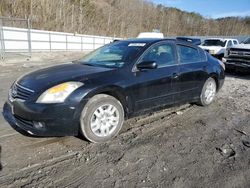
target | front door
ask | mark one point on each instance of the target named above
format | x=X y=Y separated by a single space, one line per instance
x=156 y=87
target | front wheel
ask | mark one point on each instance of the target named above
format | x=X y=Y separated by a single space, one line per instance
x=101 y=118
x=208 y=92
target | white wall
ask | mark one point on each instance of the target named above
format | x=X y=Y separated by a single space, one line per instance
x=17 y=40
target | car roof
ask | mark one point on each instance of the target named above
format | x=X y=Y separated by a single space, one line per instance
x=147 y=40
x=220 y=39
x=155 y=40
x=191 y=38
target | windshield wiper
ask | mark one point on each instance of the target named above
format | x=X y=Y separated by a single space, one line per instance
x=89 y=64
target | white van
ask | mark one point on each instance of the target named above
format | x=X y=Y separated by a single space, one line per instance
x=151 y=35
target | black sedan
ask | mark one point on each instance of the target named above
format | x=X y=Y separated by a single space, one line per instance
x=94 y=95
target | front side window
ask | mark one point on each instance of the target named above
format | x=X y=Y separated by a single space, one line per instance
x=163 y=55
x=188 y=54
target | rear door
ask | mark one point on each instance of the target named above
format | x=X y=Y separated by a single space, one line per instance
x=193 y=66
x=156 y=87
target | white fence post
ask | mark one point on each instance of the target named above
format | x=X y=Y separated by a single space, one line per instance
x=2 y=40
x=81 y=44
x=29 y=37
x=49 y=42
x=66 y=42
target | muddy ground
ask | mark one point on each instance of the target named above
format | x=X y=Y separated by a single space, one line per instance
x=184 y=146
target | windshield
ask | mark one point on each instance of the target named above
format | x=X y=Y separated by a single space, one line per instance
x=113 y=55
x=214 y=42
x=247 y=41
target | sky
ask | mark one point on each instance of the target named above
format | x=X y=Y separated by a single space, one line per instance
x=211 y=8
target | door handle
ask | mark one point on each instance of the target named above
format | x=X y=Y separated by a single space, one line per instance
x=204 y=67
x=175 y=75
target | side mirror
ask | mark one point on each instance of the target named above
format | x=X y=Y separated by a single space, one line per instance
x=147 y=65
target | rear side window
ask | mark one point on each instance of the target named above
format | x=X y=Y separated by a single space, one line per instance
x=188 y=54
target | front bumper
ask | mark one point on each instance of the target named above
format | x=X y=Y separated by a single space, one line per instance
x=44 y=119
x=236 y=64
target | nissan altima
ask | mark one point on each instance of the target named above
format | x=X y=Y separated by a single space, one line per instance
x=93 y=96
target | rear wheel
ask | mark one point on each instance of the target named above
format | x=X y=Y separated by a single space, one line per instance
x=101 y=118
x=208 y=92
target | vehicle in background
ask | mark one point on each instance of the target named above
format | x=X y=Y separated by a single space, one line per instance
x=195 y=41
x=151 y=35
x=217 y=46
x=246 y=41
x=238 y=57
x=115 y=40
x=93 y=95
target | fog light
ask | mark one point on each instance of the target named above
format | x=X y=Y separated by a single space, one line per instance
x=38 y=125
x=30 y=132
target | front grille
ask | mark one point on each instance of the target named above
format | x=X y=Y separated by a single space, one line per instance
x=240 y=49
x=23 y=122
x=242 y=53
x=20 y=92
x=238 y=61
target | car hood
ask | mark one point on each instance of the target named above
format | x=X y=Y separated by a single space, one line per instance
x=51 y=76
x=216 y=48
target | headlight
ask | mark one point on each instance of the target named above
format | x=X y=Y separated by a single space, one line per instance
x=58 y=93
x=212 y=52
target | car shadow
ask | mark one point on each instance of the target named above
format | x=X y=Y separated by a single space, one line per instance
x=81 y=137
x=240 y=75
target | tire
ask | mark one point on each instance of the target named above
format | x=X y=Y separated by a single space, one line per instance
x=220 y=57
x=208 y=92
x=101 y=118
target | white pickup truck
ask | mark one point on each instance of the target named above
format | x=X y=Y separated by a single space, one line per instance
x=217 y=46
x=238 y=57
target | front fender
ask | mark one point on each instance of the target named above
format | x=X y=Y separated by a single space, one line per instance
x=118 y=92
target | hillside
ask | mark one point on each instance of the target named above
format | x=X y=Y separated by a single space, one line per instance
x=123 y=18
